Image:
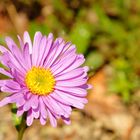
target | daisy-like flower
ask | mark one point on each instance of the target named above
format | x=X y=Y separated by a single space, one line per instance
x=45 y=78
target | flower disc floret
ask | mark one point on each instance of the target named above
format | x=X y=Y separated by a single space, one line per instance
x=40 y=81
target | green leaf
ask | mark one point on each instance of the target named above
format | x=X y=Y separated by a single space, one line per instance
x=80 y=36
x=94 y=60
x=34 y=26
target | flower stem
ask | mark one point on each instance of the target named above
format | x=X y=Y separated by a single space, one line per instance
x=22 y=127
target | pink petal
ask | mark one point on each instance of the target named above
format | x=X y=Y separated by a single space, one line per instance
x=10 y=43
x=42 y=120
x=42 y=50
x=71 y=100
x=78 y=61
x=20 y=42
x=54 y=106
x=26 y=55
x=30 y=118
x=70 y=59
x=36 y=113
x=56 y=52
x=11 y=99
x=36 y=47
x=19 y=77
x=73 y=91
x=52 y=119
x=27 y=104
x=5 y=101
x=48 y=49
x=34 y=101
x=8 y=89
x=14 y=63
x=2 y=83
x=69 y=75
x=66 y=120
x=20 y=111
x=71 y=83
x=42 y=108
x=15 y=52
x=3 y=49
x=66 y=109
x=3 y=71
x=27 y=39
x=12 y=84
x=50 y=106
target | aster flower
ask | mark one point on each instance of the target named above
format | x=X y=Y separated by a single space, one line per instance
x=45 y=78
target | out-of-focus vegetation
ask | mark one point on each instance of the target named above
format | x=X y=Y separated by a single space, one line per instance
x=106 y=31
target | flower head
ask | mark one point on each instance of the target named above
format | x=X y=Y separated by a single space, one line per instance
x=45 y=78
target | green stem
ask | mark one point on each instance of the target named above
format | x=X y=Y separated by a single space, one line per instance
x=22 y=127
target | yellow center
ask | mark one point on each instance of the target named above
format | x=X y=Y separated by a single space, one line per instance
x=40 y=81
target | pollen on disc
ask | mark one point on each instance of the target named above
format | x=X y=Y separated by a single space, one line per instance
x=40 y=81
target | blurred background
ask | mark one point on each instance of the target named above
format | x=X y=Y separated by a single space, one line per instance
x=107 y=32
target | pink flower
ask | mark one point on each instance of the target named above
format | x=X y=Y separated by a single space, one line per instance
x=45 y=78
